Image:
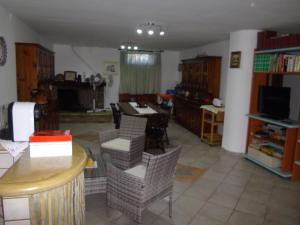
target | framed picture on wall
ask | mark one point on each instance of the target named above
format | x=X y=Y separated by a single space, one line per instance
x=235 y=59
x=111 y=68
x=70 y=75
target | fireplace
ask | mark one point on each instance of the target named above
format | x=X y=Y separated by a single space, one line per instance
x=78 y=97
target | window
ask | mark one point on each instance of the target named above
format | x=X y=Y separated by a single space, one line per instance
x=140 y=59
x=140 y=73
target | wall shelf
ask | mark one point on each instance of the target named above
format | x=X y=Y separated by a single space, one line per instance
x=275 y=50
x=274 y=170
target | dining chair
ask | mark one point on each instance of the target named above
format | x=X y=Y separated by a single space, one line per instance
x=133 y=190
x=116 y=115
x=156 y=130
x=125 y=145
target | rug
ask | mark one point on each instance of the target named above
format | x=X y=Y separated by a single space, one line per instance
x=186 y=173
x=90 y=136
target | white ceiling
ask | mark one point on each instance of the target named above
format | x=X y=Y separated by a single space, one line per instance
x=188 y=23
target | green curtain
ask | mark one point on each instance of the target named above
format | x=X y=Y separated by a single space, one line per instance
x=140 y=72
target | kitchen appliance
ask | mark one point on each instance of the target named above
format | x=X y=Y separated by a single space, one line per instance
x=21 y=118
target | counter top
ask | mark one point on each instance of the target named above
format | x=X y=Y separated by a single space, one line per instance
x=33 y=175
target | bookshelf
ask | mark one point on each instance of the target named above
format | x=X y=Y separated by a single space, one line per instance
x=276 y=150
x=296 y=168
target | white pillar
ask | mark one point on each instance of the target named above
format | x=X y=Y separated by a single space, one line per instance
x=238 y=90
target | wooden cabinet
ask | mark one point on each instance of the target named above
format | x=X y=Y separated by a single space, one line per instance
x=201 y=78
x=188 y=114
x=35 y=73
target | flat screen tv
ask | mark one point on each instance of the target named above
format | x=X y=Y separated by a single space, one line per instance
x=274 y=102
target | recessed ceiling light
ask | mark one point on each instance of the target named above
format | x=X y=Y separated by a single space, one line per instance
x=252 y=4
x=150 y=32
x=135 y=47
x=129 y=47
x=162 y=33
x=139 y=31
x=122 y=46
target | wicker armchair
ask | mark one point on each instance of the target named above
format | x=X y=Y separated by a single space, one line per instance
x=133 y=190
x=125 y=145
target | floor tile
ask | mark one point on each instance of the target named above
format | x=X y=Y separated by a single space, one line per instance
x=240 y=218
x=230 y=184
x=251 y=207
x=224 y=200
x=216 y=212
x=203 y=220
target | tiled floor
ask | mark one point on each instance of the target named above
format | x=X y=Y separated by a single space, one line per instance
x=233 y=191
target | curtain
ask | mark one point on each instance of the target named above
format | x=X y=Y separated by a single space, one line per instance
x=140 y=72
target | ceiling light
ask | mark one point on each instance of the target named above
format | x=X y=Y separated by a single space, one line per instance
x=129 y=45
x=150 y=28
x=139 y=31
x=150 y=32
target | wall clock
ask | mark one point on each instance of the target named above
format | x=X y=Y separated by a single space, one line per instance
x=3 y=51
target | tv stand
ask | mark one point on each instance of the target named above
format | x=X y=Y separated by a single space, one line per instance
x=287 y=123
x=285 y=139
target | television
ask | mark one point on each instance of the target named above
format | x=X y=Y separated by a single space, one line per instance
x=274 y=102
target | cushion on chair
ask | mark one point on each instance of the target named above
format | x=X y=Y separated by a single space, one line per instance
x=138 y=171
x=120 y=144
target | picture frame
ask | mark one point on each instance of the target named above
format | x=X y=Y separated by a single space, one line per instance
x=70 y=75
x=111 y=68
x=235 y=59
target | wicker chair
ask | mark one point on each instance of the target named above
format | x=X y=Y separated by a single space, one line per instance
x=125 y=145
x=133 y=190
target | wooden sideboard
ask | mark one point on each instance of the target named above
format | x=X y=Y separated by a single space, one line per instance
x=35 y=72
x=201 y=79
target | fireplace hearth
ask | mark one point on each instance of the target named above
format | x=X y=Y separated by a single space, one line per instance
x=78 y=97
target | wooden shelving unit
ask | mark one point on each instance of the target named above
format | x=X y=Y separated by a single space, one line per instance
x=290 y=157
x=209 y=127
x=296 y=168
x=256 y=123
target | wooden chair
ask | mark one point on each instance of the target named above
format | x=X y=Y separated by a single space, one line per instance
x=156 y=130
x=116 y=115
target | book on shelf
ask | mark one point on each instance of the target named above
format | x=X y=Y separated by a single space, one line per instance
x=277 y=63
x=50 y=143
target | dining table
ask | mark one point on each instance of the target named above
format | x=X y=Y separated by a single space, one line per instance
x=133 y=109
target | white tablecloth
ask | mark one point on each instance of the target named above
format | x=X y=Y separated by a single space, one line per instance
x=147 y=110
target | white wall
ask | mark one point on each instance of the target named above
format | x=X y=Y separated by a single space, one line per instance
x=170 y=76
x=66 y=59
x=214 y=49
x=13 y=30
x=294 y=83
x=238 y=91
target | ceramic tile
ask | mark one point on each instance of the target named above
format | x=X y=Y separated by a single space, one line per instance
x=203 y=220
x=16 y=208
x=224 y=200
x=216 y=212
x=251 y=207
x=240 y=218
